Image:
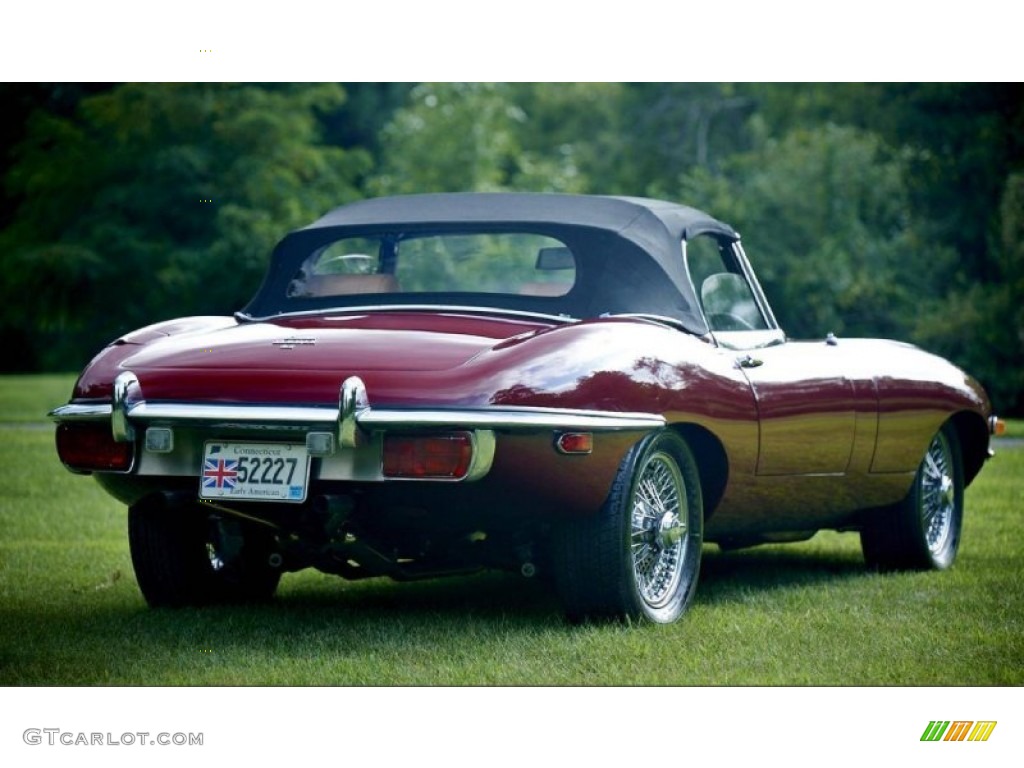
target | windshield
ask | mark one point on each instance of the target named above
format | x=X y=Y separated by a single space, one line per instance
x=515 y=263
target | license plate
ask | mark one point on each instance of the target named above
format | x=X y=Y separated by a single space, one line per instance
x=254 y=472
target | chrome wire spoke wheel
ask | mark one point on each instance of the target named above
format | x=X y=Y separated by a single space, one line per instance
x=938 y=494
x=638 y=558
x=659 y=526
x=922 y=532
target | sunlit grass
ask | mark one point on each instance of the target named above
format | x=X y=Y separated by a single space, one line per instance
x=71 y=613
x=30 y=398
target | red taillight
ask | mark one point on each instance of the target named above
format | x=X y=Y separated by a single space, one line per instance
x=412 y=456
x=90 y=447
x=575 y=442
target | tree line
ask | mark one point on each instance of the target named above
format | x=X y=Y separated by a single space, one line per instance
x=892 y=210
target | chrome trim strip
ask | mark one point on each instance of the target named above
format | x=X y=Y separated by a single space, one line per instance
x=759 y=297
x=497 y=417
x=119 y=424
x=81 y=412
x=188 y=413
x=508 y=418
x=440 y=308
x=484 y=445
x=352 y=404
x=657 y=319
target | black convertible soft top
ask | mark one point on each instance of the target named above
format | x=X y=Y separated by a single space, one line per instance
x=627 y=249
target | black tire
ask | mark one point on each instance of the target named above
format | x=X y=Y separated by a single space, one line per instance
x=183 y=555
x=922 y=532
x=639 y=556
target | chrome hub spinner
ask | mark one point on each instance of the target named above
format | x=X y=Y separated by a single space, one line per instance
x=670 y=531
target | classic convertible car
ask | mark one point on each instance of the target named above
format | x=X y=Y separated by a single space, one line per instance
x=589 y=387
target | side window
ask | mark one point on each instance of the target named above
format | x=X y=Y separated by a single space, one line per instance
x=722 y=288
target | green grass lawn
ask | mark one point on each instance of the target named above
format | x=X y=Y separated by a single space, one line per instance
x=801 y=614
x=28 y=398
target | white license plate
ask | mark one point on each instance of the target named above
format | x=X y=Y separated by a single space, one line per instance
x=254 y=472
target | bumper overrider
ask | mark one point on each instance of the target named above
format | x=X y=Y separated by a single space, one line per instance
x=351 y=442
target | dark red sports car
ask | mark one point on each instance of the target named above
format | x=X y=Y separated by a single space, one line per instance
x=590 y=387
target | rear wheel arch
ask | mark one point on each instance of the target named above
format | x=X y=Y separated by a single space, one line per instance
x=712 y=462
x=638 y=557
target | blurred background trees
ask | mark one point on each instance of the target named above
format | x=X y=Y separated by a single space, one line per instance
x=880 y=209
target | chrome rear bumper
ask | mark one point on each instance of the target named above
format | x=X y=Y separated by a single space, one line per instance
x=355 y=428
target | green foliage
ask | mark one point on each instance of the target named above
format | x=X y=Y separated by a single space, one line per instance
x=454 y=137
x=157 y=201
x=673 y=128
x=875 y=209
x=981 y=324
x=829 y=228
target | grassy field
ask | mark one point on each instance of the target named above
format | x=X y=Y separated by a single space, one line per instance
x=27 y=399
x=803 y=614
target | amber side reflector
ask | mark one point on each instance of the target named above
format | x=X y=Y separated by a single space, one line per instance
x=90 y=447
x=575 y=442
x=997 y=426
x=427 y=456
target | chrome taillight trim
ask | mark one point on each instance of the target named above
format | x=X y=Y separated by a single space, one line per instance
x=483 y=444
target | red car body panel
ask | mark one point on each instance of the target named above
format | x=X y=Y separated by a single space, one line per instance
x=821 y=415
x=789 y=437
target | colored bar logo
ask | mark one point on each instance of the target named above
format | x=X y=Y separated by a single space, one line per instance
x=958 y=730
